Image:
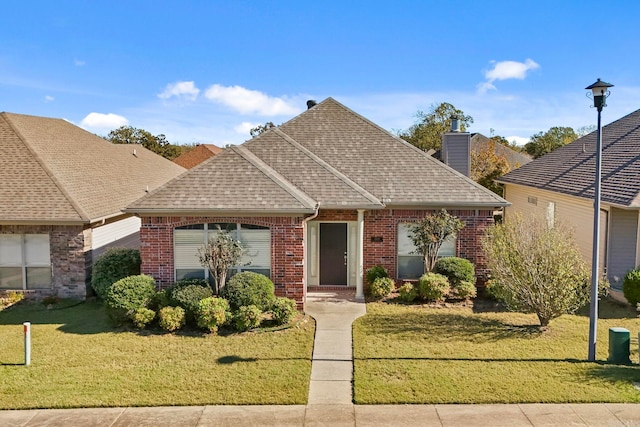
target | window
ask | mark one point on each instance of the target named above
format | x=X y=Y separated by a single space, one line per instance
x=188 y=239
x=24 y=261
x=410 y=264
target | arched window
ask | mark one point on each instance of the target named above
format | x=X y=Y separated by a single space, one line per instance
x=189 y=238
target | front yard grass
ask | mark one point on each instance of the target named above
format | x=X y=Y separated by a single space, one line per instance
x=416 y=354
x=80 y=360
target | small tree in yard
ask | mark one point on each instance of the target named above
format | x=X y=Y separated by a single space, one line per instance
x=536 y=268
x=219 y=255
x=429 y=234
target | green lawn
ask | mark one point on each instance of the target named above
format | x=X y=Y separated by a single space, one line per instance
x=79 y=360
x=416 y=354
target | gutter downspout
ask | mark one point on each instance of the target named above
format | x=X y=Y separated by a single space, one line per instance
x=359 y=277
x=304 y=251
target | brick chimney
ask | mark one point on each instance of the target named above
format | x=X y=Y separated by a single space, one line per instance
x=456 y=148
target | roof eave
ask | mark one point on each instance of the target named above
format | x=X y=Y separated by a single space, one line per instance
x=61 y=221
x=483 y=205
x=219 y=212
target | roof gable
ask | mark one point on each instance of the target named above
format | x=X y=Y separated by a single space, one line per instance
x=71 y=175
x=197 y=155
x=571 y=169
x=333 y=156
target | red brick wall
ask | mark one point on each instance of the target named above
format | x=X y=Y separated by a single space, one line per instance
x=287 y=243
x=287 y=248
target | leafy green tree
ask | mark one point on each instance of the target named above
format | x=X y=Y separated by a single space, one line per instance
x=426 y=133
x=261 y=129
x=429 y=234
x=536 y=268
x=487 y=166
x=220 y=254
x=156 y=143
x=545 y=142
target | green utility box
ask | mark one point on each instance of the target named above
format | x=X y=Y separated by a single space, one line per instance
x=619 y=346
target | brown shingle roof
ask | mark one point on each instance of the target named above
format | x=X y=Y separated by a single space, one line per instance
x=53 y=171
x=197 y=155
x=514 y=158
x=329 y=153
x=571 y=169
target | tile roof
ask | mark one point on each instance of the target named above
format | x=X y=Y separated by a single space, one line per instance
x=53 y=171
x=197 y=155
x=331 y=154
x=571 y=169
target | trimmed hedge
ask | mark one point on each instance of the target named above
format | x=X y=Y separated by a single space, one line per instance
x=433 y=287
x=249 y=288
x=408 y=292
x=127 y=295
x=172 y=318
x=376 y=272
x=188 y=296
x=455 y=269
x=382 y=287
x=212 y=313
x=631 y=286
x=114 y=264
x=284 y=310
x=247 y=317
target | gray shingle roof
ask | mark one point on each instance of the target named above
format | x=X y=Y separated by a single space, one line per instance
x=334 y=156
x=571 y=169
x=53 y=171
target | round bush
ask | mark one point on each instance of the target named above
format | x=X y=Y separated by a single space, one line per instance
x=247 y=317
x=375 y=272
x=283 y=310
x=408 y=292
x=172 y=318
x=382 y=287
x=631 y=286
x=212 y=312
x=456 y=270
x=113 y=265
x=463 y=290
x=433 y=287
x=249 y=288
x=129 y=294
x=142 y=317
x=188 y=297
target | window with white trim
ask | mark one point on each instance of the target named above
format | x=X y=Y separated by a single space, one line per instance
x=411 y=263
x=189 y=239
x=25 y=261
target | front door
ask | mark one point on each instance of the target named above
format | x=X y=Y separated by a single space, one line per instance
x=333 y=254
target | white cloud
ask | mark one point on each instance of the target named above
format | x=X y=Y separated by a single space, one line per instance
x=48 y=98
x=103 y=121
x=506 y=70
x=248 y=101
x=245 y=127
x=186 y=90
x=517 y=139
x=79 y=63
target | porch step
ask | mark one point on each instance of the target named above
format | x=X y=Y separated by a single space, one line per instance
x=344 y=289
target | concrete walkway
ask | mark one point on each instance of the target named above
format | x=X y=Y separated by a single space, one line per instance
x=332 y=360
x=330 y=397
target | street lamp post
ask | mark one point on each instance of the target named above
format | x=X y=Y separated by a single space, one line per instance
x=600 y=91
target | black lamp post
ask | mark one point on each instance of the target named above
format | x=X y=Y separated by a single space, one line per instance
x=600 y=91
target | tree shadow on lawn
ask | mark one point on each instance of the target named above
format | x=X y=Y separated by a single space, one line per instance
x=444 y=327
x=609 y=308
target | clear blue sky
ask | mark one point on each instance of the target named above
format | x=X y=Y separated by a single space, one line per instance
x=207 y=71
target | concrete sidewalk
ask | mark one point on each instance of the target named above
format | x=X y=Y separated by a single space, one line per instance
x=334 y=415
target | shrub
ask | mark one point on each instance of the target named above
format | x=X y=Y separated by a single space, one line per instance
x=433 y=287
x=463 y=290
x=249 y=288
x=631 y=286
x=161 y=299
x=247 y=317
x=382 y=287
x=188 y=297
x=455 y=269
x=375 y=272
x=284 y=310
x=142 y=317
x=212 y=312
x=172 y=318
x=129 y=294
x=408 y=292
x=113 y=265
x=187 y=282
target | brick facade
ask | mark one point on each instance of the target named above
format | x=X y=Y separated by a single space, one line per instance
x=70 y=254
x=287 y=243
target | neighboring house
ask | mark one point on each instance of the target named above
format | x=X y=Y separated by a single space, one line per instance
x=197 y=155
x=61 y=199
x=317 y=200
x=560 y=186
x=514 y=158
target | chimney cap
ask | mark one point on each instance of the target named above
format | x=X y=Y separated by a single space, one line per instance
x=455 y=124
x=311 y=103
